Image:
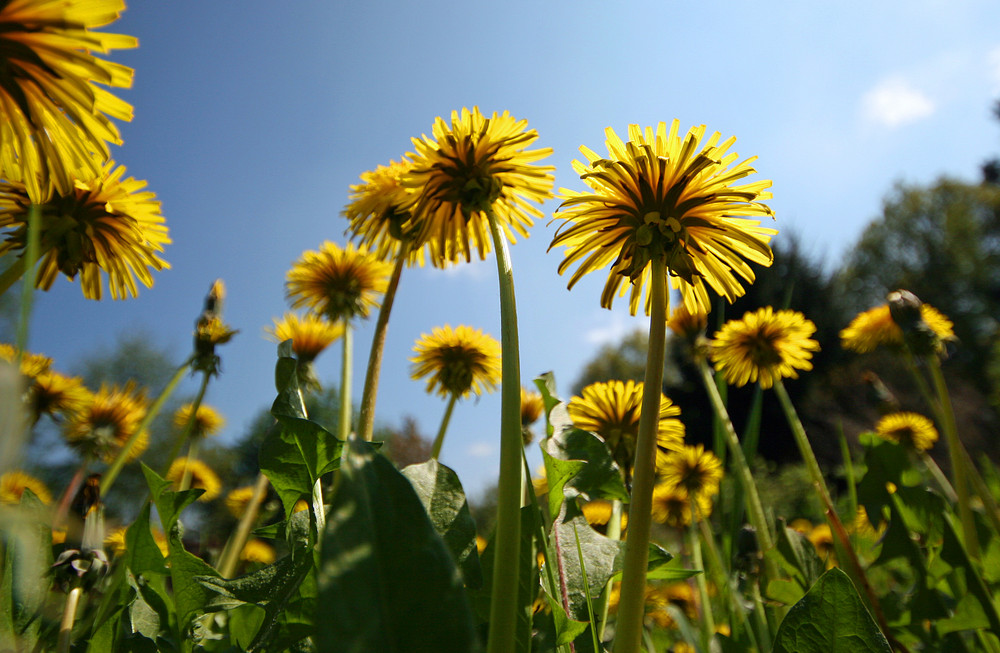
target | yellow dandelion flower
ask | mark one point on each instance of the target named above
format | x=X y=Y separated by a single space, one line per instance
x=473 y=165
x=256 y=550
x=13 y=484
x=52 y=112
x=611 y=410
x=107 y=421
x=765 y=346
x=459 y=361
x=908 y=429
x=822 y=538
x=381 y=212
x=310 y=334
x=801 y=525
x=115 y=540
x=672 y=505
x=203 y=477
x=481 y=543
x=53 y=393
x=32 y=365
x=103 y=223
x=238 y=500
x=597 y=512
x=300 y=505
x=337 y=282
x=532 y=407
x=694 y=469
x=207 y=420
x=687 y=325
x=875 y=328
x=667 y=197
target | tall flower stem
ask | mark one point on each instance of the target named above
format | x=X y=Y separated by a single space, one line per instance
x=62 y=510
x=68 y=618
x=189 y=426
x=631 y=604
x=439 y=440
x=707 y=617
x=116 y=466
x=346 y=363
x=231 y=553
x=503 y=600
x=29 y=258
x=366 y=416
x=188 y=468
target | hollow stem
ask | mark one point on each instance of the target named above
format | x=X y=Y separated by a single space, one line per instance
x=68 y=618
x=231 y=554
x=439 y=440
x=504 y=596
x=366 y=416
x=631 y=605
x=707 y=617
x=344 y=420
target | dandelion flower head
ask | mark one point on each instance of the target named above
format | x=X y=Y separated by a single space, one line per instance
x=207 y=420
x=381 y=215
x=257 y=550
x=694 y=469
x=764 y=346
x=203 y=477
x=107 y=422
x=458 y=361
x=310 y=334
x=237 y=500
x=875 y=328
x=53 y=394
x=13 y=484
x=672 y=505
x=337 y=282
x=32 y=365
x=908 y=429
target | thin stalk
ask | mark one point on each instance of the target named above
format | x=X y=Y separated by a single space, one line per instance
x=631 y=604
x=366 y=417
x=990 y=506
x=503 y=600
x=707 y=617
x=189 y=426
x=30 y=257
x=188 y=467
x=344 y=420
x=944 y=485
x=614 y=532
x=62 y=510
x=849 y=476
x=439 y=440
x=737 y=612
x=231 y=554
x=116 y=466
x=68 y=618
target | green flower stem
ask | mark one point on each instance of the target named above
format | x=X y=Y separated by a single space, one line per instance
x=755 y=510
x=116 y=466
x=990 y=506
x=503 y=600
x=631 y=604
x=366 y=417
x=188 y=469
x=944 y=485
x=62 y=510
x=231 y=553
x=344 y=420
x=68 y=618
x=614 y=532
x=13 y=272
x=30 y=257
x=439 y=440
x=737 y=612
x=707 y=617
x=959 y=473
x=183 y=436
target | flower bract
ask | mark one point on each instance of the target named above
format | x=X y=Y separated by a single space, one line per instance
x=764 y=346
x=459 y=361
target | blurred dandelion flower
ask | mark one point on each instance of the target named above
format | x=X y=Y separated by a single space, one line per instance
x=337 y=282
x=207 y=420
x=474 y=165
x=532 y=407
x=822 y=538
x=256 y=550
x=611 y=410
x=694 y=469
x=32 y=365
x=13 y=484
x=310 y=334
x=107 y=421
x=115 y=540
x=203 y=477
x=668 y=197
x=52 y=113
x=238 y=500
x=102 y=222
x=459 y=361
x=381 y=213
x=672 y=505
x=875 y=328
x=765 y=346
x=55 y=394
x=911 y=430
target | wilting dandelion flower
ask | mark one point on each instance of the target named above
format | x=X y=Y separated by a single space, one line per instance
x=611 y=410
x=911 y=430
x=203 y=477
x=310 y=334
x=661 y=196
x=13 y=484
x=381 y=213
x=107 y=421
x=52 y=113
x=337 y=282
x=459 y=361
x=473 y=165
x=694 y=469
x=765 y=346
x=207 y=420
x=256 y=550
x=875 y=328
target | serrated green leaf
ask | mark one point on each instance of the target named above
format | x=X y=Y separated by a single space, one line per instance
x=382 y=562
x=295 y=453
x=601 y=555
x=599 y=477
x=142 y=554
x=244 y=624
x=830 y=618
x=566 y=629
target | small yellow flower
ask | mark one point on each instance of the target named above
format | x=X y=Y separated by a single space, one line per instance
x=908 y=429
x=238 y=500
x=875 y=328
x=459 y=361
x=337 y=282
x=532 y=407
x=598 y=513
x=611 y=410
x=257 y=550
x=310 y=334
x=115 y=540
x=54 y=109
x=55 y=394
x=32 y=365
x=694 y=469
x=13 y=484
x=481 y=543
x=687 y=325
x=107 y=421
x=469 y=167
x=765 y=346
x=207 y=420
x=381 y=213
x=203 y=477
x=664 y=196
x=102 y=224
x=672 y=505
x=822 y=538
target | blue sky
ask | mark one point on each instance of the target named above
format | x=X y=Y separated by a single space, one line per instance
x=253 y=118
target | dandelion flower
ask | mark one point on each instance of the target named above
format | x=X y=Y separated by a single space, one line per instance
x=310 y=334
x=672 y=505
x=694 y=469
x=337 y=282
x=765 y=346
x=32 y=365
x=256 y=550
x=13 y=484
x=102 y=223
x=107 y=422
x=203 y=477
x=667 y=197
x=459 y=361
x=238 y=500
x=207 y=420
x=875 y=328
x=822 y=538
x=381 y=213
x=115 y=540
x=532 y=406
x=52 y=112
x=53 y=393
x=908 y=429
x=611 y=410
x=474 y=165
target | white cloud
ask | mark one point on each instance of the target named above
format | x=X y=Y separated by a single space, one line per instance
x=894 y=103
x=475 y=269
x=619 y=327
x=480 y=450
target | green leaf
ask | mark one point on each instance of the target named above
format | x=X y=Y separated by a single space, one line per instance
x=599 y=477
x=796 y=554
x=601 y=555
x=244 y=624
x=566 y=629
x=142 y=555
x=557 y=418
x=26 y=581
x=387 y=582
x=295 y=453
x=444 y=499
x=830 y=618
